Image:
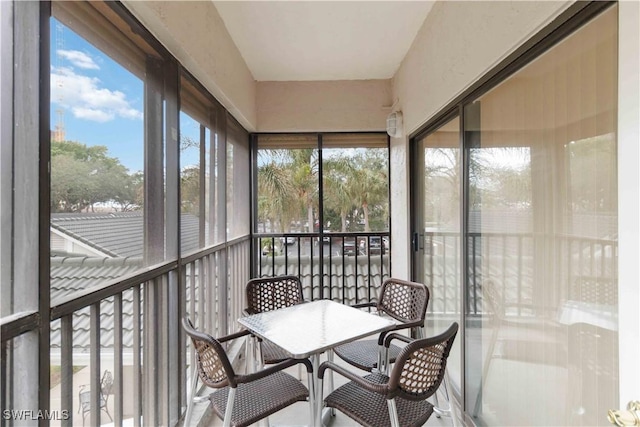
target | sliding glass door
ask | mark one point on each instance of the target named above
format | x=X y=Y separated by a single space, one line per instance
x=517 y=230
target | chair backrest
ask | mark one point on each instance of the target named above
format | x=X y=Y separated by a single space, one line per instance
x=212 y=361
x=494 y=300
x=597 y=290
x=272 y=293
x=420 y=367
x=106 y=383
x=404 y=301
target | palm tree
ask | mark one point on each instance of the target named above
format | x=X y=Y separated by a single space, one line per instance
x=336 y=189
x=369 y=183
x=304 y=173
x=275 y=195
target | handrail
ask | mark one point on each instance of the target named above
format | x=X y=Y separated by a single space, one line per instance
x=192 y=256
x=18 y=323
x=94 y=295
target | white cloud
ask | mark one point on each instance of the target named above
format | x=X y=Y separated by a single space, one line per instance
x=87 y=100
x=92 y=114
x=79 y=59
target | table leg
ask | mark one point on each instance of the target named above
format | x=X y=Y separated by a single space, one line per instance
x=323 y=416
x=315 y=385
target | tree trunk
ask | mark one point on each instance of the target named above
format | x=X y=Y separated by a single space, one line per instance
x=310 y=218
x=365 y=211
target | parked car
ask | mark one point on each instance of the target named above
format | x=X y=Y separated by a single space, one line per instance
x=349 y=247
x=325 y=238
x=289 y=240
x=376 y=245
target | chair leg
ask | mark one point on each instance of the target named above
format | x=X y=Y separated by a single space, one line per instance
x=449 y=411
x=450 y=399
x=229 y=410
x=248 y=353
x=330 y=359
x=259 y=359
x=194 y=387
x=108 y=414
x=312 y=397
x=393 y=413
x=485 y=370
x=383 y=357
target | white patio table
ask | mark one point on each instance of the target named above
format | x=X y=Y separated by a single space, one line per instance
x=309 y=329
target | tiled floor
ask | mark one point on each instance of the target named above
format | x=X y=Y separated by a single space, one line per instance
x=298 y=413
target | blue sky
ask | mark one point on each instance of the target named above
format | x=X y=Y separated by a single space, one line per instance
x=102 y=102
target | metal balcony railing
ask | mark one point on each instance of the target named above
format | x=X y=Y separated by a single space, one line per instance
x=508 y=259
x=345 y=267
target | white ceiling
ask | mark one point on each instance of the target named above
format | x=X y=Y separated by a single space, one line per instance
x=323 y=40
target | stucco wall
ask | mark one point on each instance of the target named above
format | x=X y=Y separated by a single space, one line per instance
x=205 y=48
x=458 y=43
x=343 y=105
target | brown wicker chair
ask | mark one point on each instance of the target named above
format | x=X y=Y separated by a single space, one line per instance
x=271 y=293
x=245 y=399
x=402 y=300
x=399 y=399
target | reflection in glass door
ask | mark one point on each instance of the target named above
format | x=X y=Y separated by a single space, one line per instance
x=541 y=320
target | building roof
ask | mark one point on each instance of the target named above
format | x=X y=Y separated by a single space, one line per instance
x=118 y=234
x=71 y=274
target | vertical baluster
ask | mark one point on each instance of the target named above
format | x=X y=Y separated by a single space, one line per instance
x=164 y=404
x=202 y=280
x=4 y=380
x=117 y=360
x=368 y=269
x=299 y=254
x=519 y=276
x=66 y=369
x=223 y=296
x=213 y=299
x=94 y=332
x=150 y=353
x=137 y=360
x=187 y=289
x=473 y=281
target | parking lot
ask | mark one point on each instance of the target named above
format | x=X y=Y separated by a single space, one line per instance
x=332 y=246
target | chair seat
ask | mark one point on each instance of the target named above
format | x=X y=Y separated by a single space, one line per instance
x=371 y=410
x=260 y=398
x=364 y=354
x=272 y=353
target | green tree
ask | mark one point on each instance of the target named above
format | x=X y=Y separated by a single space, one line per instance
x=304 y=173
x=276 y=202
x=190 y=190
x=337 y=174
x=82 y=176
x=369 y=185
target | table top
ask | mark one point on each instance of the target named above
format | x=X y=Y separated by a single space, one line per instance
x=314 y=327
x=602 y=315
